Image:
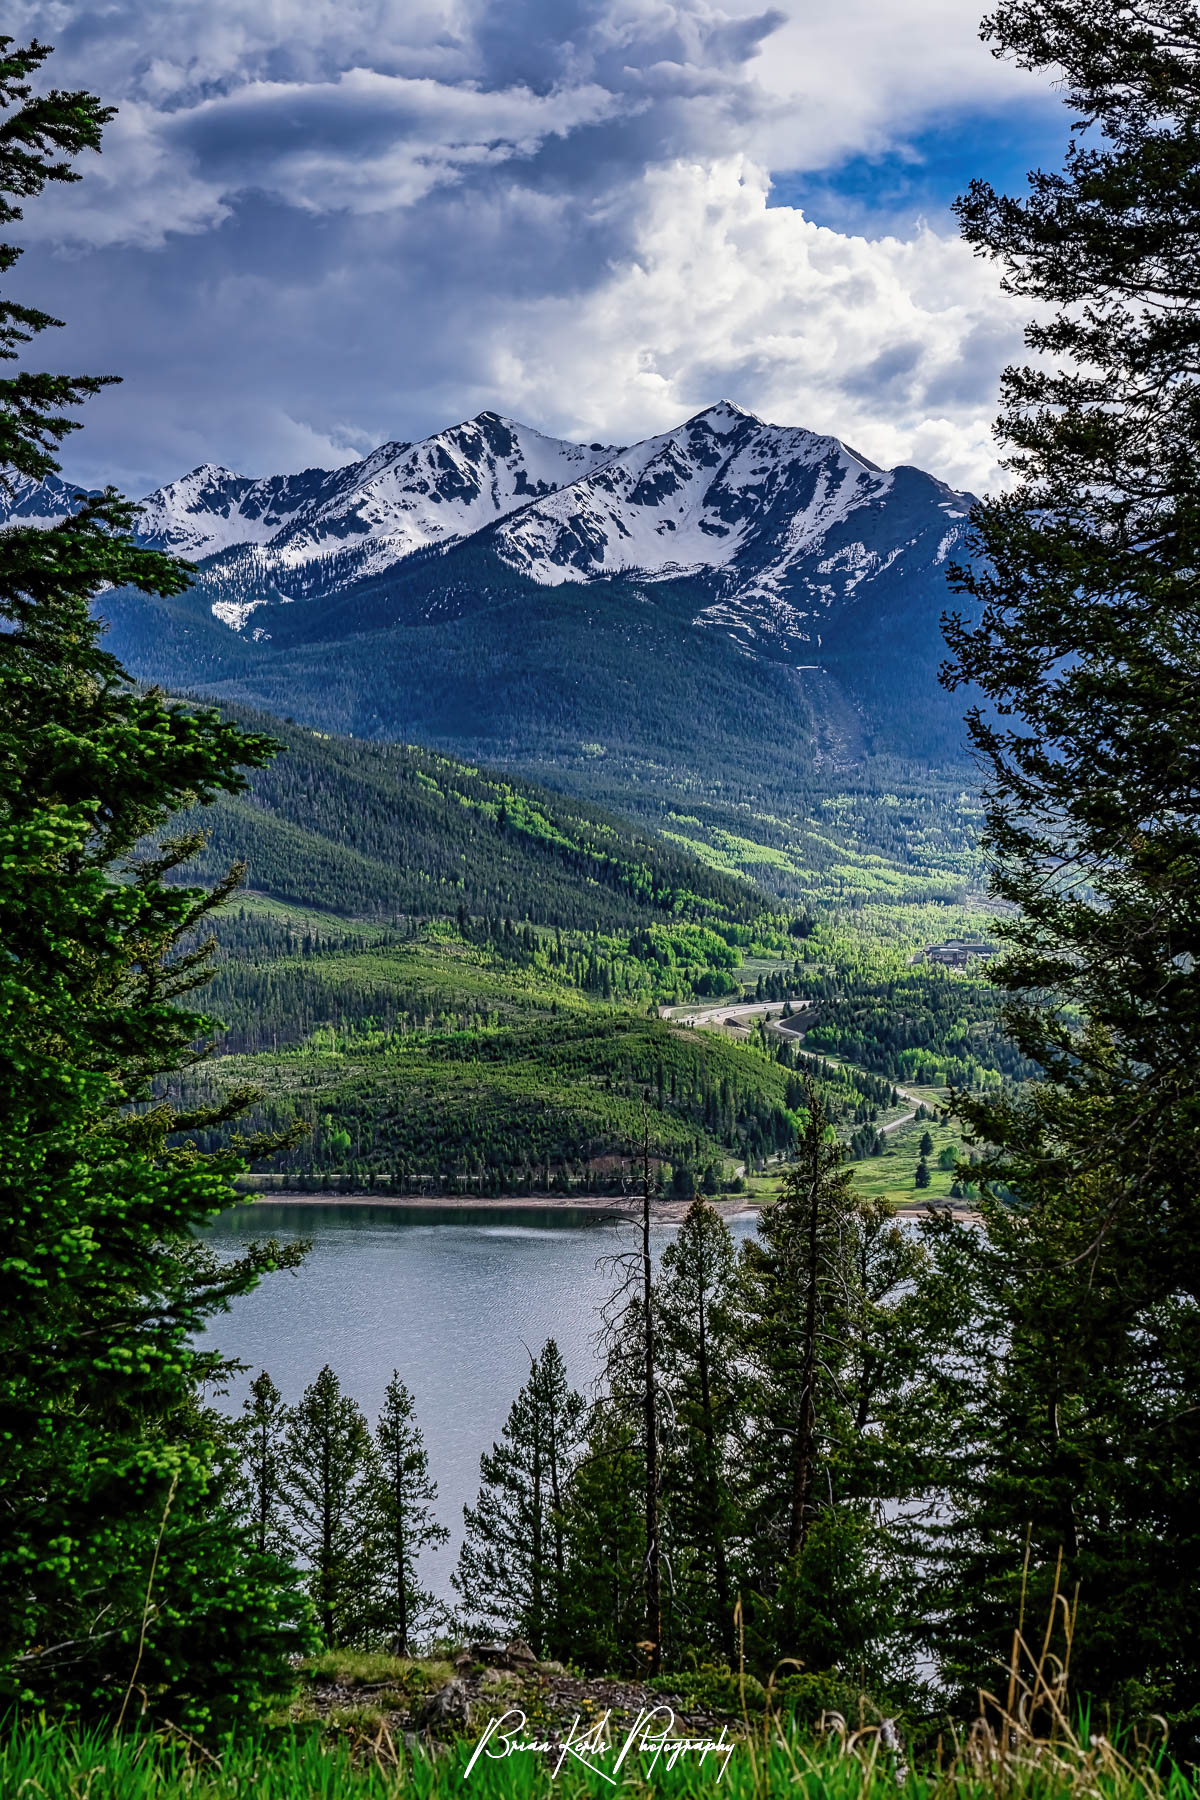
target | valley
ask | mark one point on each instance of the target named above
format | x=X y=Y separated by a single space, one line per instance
x=448 y=981
x=573 y=738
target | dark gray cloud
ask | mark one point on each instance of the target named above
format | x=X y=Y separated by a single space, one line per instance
x=323 y=223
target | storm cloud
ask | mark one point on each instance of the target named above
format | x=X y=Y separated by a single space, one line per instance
x=315 y=227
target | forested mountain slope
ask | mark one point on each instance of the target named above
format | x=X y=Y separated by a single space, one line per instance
x=730 y=597
x=368 y=829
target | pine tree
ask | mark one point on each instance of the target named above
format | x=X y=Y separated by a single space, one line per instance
x=511 y=1573
x=697 y=1358
x=629 y=1333
x=403 y=1523
x=883 y=1348
x=605 y=1546
x=258 y=1439
x=330 y=1478
x=1083 y=644
x=797 y=1294
x=797 y=1297
x=110 y=1462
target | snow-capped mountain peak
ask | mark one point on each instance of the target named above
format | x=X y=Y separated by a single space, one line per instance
x=721 y=416
x=695 y=498
x=434 y=492
x=213 y=508
x=777 y=526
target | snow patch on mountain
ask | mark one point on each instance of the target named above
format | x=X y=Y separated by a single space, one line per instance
x=433 y=493
x=234 y=613
x=696 y=499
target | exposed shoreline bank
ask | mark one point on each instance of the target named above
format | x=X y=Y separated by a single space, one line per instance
x=667 y=1211
x=612 y=1205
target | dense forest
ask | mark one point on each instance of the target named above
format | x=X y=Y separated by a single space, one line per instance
x=373 y=829
x=923 y=1024
x=896 y=1460
x=461 y=651
x=504 y=1054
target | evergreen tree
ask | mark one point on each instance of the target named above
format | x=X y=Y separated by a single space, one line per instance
x=883 y=1349
x=605 y=1542
x=258 y=1439
x=331 y=1478
x=868 y=1545
x=511 y=1573
x=697 y=1358
x=403 y=1521
x=923 y=1177
x=110 y=1468
x=629 y=1334
x=925 y=1147
x=1084 y=646
x=797 y=1296
x=796 y=1302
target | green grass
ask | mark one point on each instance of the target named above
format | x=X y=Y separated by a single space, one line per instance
x=40 y=1761
x=376 y=1665
x=299 y=919
x=892 y=1175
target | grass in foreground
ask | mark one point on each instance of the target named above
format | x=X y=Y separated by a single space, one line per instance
x=40 y=1759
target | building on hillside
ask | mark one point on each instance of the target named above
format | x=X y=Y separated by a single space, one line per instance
x=956 y=953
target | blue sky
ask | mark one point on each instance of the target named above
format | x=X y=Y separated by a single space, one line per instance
x=925 y=171
x=320 y=224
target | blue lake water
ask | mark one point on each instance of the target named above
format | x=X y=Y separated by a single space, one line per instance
x=449 y=1299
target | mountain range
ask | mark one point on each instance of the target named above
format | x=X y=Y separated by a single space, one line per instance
x=730 y=592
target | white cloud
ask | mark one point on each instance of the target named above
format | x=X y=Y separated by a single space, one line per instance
x=368 y=142
x=365 y=143
x=857 y=76
x=319 y=221
x=133 y=194
x=894 y=346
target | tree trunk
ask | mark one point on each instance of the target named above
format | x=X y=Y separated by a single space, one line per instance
x=653 y=1558
x=720 y=1570
x=400 y=1643
x=537 y=1598
x=327 y=1541
x=264 y=1484
x=804 y=1451
x=559 y=1547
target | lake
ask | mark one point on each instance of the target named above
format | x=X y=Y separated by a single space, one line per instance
x=450 y=1299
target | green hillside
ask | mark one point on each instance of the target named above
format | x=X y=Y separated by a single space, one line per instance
x=449 y=975
x=368 y=829
x=549 y=1102
x=504 y=669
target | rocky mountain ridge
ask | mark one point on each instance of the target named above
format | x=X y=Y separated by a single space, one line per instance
x=713 y=592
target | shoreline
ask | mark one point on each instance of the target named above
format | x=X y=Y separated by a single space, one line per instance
x=729 y=1207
